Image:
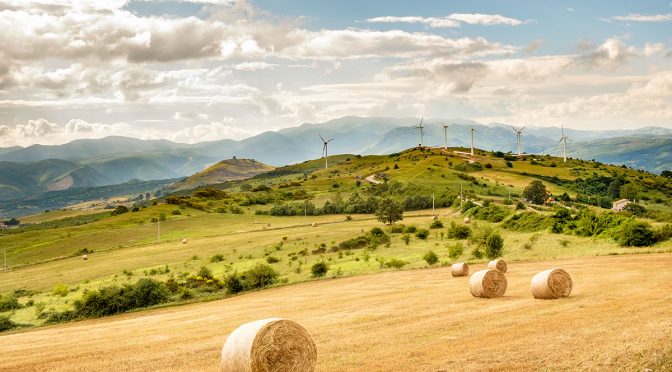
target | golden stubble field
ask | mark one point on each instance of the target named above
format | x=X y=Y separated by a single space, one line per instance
x=618 y=317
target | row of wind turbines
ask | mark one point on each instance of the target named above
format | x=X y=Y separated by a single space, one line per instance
x=518 y=132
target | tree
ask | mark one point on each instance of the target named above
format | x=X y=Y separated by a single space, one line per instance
x=493 y=246
x=389 y=211
x=319 y=269
x=666 y=173
x=629 y=191
x=535 y=192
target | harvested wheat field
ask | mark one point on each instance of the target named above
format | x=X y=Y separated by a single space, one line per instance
x=618 y=316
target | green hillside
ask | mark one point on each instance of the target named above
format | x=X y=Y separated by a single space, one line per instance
x=302 y=222
x=226 y=170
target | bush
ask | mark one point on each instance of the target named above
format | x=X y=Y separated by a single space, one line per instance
x=7 y=324
x=663 y=233
x=217 y=258
x=528 y=222
x=430 y=257
x=113 y=300
x=319 y=269
x=233 y=283
x=635 y=209
x=422 y=234
x=9 y=302
x=436 y=224
x=458 y=231
x=272 y=259
x=60 y=290
x=455 y=250
x=395 y=263
x=260 y=276
x=406 y=238
x=176 y=212
x=120 y=209
x=205 y=273
x=410 y=229
x=490 y=213
x=634 y=233
x=396 y=229
x=493 y=246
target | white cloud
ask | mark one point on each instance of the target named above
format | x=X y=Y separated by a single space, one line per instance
x=452 y=20
x=211 y=132
x=254 y=66
x=644 y=18
x=43 y=131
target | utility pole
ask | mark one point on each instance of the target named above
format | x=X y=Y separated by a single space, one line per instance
x=461 y=197
x=305 y=211
x=158 y=231
x=433 y=214
x=4 y=253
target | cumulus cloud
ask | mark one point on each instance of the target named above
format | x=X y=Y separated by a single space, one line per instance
x=644 y=18
x=254 y=66
x=42 y=131
x=210 y=132
x=614 y=52
x=450 y=21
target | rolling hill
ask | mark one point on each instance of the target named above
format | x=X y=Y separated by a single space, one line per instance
x=226 y=170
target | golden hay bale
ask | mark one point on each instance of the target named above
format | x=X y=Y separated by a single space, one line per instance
x=184 y=241
x=498 y=265
x=273 y=344
x=467 y=220
x=459 y=269
x=314 y=224
x=435 y=218
x=85 y=257
x=487 y=283
x=552 y=283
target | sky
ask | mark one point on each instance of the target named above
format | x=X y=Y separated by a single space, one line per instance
x=203 y=70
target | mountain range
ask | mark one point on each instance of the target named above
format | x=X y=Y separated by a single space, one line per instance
x=113 y=160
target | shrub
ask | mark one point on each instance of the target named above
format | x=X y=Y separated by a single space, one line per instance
x=422 y=234
x=260 y=276
x=217 y=258
x=455 y=250
x=406 y=238
x=436 y=224
x=410 y=229
x=635 y=209
x=319 y=269
x=7 y=324
x=430 y=257
x=634 y=233
x=113 y=300
x=458 y=231
x=9 y=302
x=396 y=229
x=509 y=164
x=491 y=213
x=476 y=253
x=528 y=222
x=120 y=209
x=176 y=212
x=493 y=246
x=60 y=290
x=272 y=259
x=395 y=263
x=520 y=206
x=205 y=273
x=233 y=283
x=663 y=233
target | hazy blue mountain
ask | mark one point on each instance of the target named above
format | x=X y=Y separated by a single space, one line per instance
x=113 y=160
x=4 y=150
x=88 y=148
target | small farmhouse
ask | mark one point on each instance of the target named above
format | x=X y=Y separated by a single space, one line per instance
x=619 y=205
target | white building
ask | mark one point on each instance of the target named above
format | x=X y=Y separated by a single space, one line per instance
x=619 y=205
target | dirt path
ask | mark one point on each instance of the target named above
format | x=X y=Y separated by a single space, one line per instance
x=408 y=320
x=372 y=179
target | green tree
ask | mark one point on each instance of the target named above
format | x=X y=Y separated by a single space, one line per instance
x=493 y=246
x=389 y=211
x=629 y=191
x=430 y=257
x=535 y=192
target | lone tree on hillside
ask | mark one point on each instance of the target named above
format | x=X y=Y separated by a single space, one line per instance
x=389 y=211
x=535 y=192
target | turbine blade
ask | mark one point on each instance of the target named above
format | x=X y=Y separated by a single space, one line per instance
x=521 y=129
x=321 y=137
x=330 y=140
x=514 y=129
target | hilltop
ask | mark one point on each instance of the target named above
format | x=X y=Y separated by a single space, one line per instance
x=226 y=170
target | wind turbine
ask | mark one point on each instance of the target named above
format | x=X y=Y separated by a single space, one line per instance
x=564 y=145
x=422 y=136
x=472 y=140
x=445 y=135
x=324 y=151
x=518 y=131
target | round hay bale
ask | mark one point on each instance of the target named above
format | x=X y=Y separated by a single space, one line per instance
x=498 y=265
x=459 y=269
x=184 y=241
x=467 y=220
x=552 y=283
x=85 y=257
x=487 y=283
x=435 y=218
x=273 y=344
x=314 y=224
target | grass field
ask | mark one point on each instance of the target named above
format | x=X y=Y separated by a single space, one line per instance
x=616 y=318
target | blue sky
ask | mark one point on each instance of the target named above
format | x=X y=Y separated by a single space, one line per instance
x=201 y=70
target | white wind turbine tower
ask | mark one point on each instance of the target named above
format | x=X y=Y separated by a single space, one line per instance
x=518 y=131
x=325 y=152
x=564 y=145
x=422 y=135
x=445 y=136
x=472 y=140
